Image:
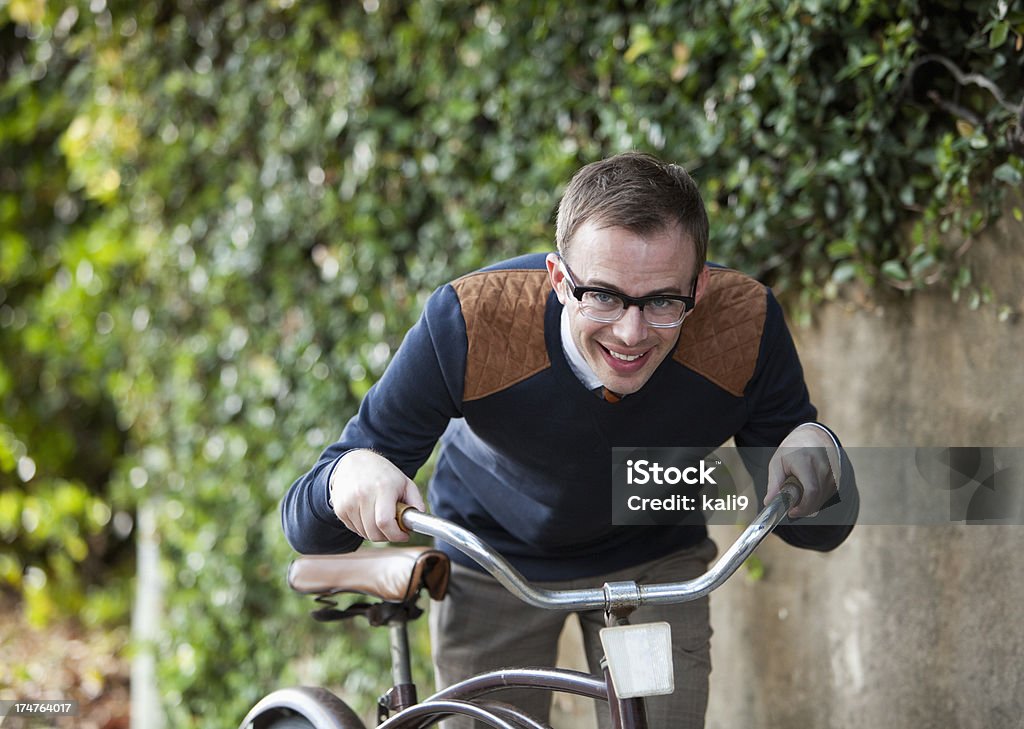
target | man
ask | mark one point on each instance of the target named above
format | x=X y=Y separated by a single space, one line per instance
x=533 y=370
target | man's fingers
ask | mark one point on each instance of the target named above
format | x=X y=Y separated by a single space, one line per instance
x=412 y=496
x=810 y=465
x=361 y=520
x=386 y=511
x=351 y=526
x=371 y=526
x=776 y=476
x=810 y=502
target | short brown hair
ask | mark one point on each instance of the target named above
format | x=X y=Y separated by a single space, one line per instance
x=638 y=192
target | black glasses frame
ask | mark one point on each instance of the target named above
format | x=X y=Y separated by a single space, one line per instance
x=628 y=301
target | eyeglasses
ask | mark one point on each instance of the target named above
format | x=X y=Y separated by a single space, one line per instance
x=662 y=311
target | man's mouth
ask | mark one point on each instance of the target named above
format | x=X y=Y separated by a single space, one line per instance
x=623 y=362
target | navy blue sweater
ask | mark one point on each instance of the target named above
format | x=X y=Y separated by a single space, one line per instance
x=525 y=458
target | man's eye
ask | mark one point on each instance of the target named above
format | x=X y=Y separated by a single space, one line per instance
x=603 y=299
x=661 y=303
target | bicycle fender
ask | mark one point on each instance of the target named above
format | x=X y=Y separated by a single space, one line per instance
x=319 y=706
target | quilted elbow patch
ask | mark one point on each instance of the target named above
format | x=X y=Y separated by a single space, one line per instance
x=721 y=339
x=504 y=314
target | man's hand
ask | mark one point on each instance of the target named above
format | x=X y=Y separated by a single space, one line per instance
x=810 y=455
x=365 y=487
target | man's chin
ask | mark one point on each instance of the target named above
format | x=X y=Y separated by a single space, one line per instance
x=625 y=385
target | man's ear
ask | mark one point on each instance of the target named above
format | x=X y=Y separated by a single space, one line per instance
x=702 y=283
x=556 y=276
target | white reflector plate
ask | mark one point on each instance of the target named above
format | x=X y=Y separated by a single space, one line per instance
x=640 y=659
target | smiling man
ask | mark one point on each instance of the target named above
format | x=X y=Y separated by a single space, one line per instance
x=530 y=372
x=622 y=338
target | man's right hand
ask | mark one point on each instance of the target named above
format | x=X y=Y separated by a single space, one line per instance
x=365 y=487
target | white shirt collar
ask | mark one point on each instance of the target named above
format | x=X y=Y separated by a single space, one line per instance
x=579 y=366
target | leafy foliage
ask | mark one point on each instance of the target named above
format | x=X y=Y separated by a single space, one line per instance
x=218 y=219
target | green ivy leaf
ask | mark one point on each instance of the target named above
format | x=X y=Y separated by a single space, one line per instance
x=1009 y=174
x=642 y=42
x=840 y=249
x=895 y=270
x=999 y=34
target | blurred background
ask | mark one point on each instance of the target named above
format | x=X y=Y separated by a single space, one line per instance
x=217 y=220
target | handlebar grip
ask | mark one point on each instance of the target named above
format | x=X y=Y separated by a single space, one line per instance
x=792 y=489
x=400 y=508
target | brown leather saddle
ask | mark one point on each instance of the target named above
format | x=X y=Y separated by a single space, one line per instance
x=394 y=575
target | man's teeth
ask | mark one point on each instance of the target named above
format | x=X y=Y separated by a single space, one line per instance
x=624 y=357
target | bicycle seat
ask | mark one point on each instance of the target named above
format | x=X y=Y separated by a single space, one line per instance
x=394 y=574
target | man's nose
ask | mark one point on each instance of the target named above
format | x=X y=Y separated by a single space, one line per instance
x=631 y=329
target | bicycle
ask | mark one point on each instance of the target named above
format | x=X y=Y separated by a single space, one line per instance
x=638 y=658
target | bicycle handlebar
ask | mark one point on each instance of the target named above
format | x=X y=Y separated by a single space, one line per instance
x=614 y=596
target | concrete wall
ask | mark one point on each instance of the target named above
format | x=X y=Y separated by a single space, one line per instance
x=903 y=626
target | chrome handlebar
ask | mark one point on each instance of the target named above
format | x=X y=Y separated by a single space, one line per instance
x=615 y=596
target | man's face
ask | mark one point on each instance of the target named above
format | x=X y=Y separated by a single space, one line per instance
x=624 y=353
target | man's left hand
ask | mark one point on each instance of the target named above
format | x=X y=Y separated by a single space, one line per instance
x=811 y=456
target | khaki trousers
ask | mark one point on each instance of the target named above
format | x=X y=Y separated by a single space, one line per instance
x=479 y=627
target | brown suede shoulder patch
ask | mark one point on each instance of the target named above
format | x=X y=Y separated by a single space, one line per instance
x=721 y=339
x=504 y=313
